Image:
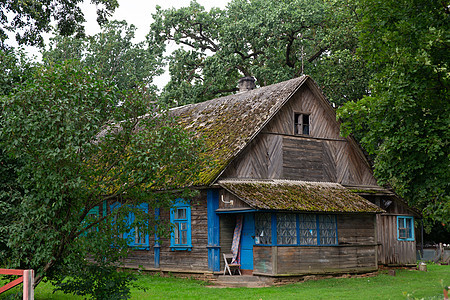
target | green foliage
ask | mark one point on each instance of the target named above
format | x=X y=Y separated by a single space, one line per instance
x=62 y=126
x=29 y=19
x=405 y=123
x=99 y=282
x=269 y=40
x=113 y=54
x=16 y=68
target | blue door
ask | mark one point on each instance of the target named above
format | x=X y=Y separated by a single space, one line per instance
x=247 y=242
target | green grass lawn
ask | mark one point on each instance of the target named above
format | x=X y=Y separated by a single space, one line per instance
x=416 y=284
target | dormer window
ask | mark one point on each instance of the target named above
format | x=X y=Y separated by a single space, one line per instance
x=301 y=124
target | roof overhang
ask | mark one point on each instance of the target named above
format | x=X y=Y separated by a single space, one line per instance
x=299 y=196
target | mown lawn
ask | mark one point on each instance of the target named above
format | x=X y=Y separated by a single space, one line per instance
x=418 y=285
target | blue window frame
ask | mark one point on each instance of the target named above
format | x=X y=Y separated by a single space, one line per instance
x=180 y=217
x=137 y=237
x=405 y=228
x=282 y=229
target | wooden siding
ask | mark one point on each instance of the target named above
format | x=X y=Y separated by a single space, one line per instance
x=313 y=260
x=227 y=198
x=357 y=251
x=276 y=153
x=262 y=159
x=303 y=159
x=392 y=251
x=322 y=120
x=356 y=229
x=194 y=260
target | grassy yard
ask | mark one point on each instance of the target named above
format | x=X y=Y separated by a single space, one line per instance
x=418 y=285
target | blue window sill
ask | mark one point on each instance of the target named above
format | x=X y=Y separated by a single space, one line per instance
x=180 y=248
x=406 y=240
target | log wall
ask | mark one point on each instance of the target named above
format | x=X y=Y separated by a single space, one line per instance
x=194 y=260
x=313 y=260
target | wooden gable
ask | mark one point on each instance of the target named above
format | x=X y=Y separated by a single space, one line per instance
x=323 y=155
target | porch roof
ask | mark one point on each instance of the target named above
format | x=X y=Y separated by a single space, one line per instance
x=289 y=195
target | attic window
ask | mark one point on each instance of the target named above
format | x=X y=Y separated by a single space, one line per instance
x=301 y=124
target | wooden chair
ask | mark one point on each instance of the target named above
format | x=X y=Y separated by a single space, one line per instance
x=229 y=266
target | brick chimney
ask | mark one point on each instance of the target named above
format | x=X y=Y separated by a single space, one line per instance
x=246 y=84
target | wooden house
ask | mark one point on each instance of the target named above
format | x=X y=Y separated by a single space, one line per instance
x=304 y=196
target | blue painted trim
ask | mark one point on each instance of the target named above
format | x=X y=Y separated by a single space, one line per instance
x=274 y=229
x=403 y=220
x=105 y=208
x=297 y=221
x=156 y=246
x=337 y=238
x=318 y=230
x=236 y=211
x=181 y=203
x=130 y=236
x=212 y=201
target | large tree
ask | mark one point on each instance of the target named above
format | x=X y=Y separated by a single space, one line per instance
x=113 y=53
x=29 y=19
x=71 y=154
x=405 y=122
x=269 y=40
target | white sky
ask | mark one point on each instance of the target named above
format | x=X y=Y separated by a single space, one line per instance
x=137 y=12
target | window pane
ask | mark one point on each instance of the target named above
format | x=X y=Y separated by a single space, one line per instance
x=327 y=226
x=305 y=119
x=180 y=213
x=405 y=228
x=183 y=226
x=286 y=229
x=308 y=229
x=306 y=129
x=184 y=237
x=263 y=229
x=177 y=234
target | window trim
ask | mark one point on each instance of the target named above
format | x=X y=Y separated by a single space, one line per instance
x=180 y=204
x=404 y=218
x=130 y=236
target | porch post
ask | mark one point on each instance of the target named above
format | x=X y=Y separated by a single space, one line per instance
x=213 y=230
x=156 y=247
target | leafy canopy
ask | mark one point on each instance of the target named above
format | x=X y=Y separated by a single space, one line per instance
x=29 y=19
x=126 y=64
x=405 y=122
x=62 y=128
x=269 y=40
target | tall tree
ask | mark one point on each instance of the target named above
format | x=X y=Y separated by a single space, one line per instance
x=74 y=155
x=405 y=122
x=270 y=40
x=29 y=19
x=113 y=54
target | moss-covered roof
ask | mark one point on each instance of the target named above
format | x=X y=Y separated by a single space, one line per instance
x=289 y=195
x=229 y=123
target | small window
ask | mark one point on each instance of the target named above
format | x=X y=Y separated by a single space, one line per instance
x=405 y=228
x=301 y=124
x=137 y=237
x=180 y=217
